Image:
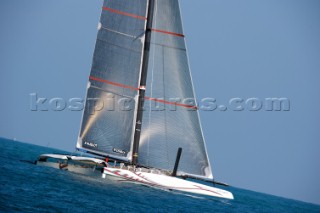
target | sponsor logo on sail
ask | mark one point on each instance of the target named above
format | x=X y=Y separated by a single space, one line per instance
x=119 y=151
x=93 y=145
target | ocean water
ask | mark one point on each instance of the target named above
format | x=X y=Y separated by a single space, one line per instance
x=29 y=188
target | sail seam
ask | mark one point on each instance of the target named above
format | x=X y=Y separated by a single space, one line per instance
x=126 y=48
x=167 y=46
x=111 y=92
x=146 y=98
x=167 y=32
x=171 y=103
x=124 y=13
x=113 y=83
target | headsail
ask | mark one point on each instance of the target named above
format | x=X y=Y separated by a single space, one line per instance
x=175 y=122
x=107 y=123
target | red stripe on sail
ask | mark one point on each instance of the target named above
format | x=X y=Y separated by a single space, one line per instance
x=112 y=83
x=171 y=103
x=137 y=89
x=167 y=32
x=124 y=13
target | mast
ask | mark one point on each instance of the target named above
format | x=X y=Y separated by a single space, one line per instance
x=143 y=82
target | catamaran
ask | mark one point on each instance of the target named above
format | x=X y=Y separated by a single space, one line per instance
x=141 y=121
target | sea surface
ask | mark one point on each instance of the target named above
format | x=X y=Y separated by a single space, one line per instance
x=25 y=187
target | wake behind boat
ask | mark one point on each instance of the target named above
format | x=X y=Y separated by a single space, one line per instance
x=140 y=107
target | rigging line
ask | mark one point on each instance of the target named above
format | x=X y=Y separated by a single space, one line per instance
x=165 y=112
x=124 y=13
x=152 y=75
x=198 y=115
x=143 y=81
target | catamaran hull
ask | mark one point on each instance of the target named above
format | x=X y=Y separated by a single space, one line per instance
x=164 y=182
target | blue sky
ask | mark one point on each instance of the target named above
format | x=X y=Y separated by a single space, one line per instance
x=245 y=49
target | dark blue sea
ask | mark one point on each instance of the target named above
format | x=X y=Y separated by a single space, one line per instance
x=29 y=188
